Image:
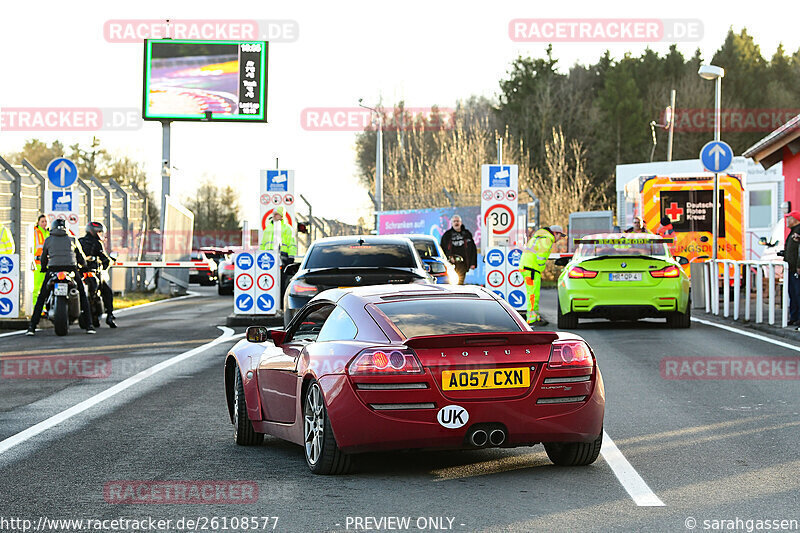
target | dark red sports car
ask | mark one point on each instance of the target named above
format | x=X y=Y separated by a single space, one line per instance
x=414 y=367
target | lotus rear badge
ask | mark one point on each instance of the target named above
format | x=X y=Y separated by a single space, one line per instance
x=358 y=279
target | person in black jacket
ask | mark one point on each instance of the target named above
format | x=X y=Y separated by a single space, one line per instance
x=61 y=253
x=790 y=252
x=459 y=247
x=92 y=244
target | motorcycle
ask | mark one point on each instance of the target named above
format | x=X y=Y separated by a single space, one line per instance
x=63 y=305
x=92 y=280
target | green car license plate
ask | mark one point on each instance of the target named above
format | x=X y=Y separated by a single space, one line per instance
x=625 y=276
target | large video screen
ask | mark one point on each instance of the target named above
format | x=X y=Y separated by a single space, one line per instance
x=187 y=79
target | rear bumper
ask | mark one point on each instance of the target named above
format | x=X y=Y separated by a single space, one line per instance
x=635 y=302
x=360 y=428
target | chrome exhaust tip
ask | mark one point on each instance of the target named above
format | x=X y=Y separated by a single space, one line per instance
x=497 y=437
x=479 y=438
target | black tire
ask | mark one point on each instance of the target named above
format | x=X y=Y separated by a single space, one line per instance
x=61 y=315
x=321 y=452
x=568 y=321
x=681 y=320
x=243 y=432
x=223 y=291
x=574 y=453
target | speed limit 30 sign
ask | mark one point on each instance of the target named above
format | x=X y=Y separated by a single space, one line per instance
x=500 y=217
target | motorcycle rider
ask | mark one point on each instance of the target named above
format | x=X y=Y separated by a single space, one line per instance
x=92 y=244
x=61 y=253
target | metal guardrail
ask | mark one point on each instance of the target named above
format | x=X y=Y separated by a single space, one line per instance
x=734 y=271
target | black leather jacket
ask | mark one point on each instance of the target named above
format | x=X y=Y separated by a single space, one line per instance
x=61 y=250
x=93 y=247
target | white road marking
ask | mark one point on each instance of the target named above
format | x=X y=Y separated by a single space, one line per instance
x=748 y=334
x=628 y=477
x=44 y=425
x=189 y=294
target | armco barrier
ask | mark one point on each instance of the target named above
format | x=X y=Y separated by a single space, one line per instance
x=733 y=271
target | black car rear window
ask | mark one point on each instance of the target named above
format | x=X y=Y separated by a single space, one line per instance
x=360 y=255
x=448 y=316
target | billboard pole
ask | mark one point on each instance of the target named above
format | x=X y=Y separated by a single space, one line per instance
x=165 y=175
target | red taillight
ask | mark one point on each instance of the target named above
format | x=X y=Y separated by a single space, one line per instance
x=299 y=288
x=570 y=354
x=667 y=272
x=385 y=361
x=229 y=266
x=61 y=275
x=578 y=272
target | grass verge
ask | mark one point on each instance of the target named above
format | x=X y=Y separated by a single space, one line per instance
x=137 y=298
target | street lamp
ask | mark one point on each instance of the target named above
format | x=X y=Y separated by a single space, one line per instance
x=711 y=72
x=378 y=164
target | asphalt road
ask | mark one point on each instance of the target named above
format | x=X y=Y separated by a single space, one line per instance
x=708 y=449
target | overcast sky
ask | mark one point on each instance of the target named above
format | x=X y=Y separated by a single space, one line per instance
x=432 y=52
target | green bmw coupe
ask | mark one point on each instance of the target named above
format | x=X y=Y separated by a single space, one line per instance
x=623 y=276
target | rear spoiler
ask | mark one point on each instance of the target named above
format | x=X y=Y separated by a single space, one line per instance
x=624 y=241
x=514 y=338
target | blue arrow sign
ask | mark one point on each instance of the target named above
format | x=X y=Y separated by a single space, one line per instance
x=6 y=265
x=62 y=172
x=244 y=302
x=495 y=257
x=716 y=156
x=514 y=256
x=6 y=306
x=266 y=261
x=266 y=302
x=500 y=294
x=244 y=261
x=516 y=298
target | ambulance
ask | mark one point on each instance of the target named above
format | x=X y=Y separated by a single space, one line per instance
x=687 y=199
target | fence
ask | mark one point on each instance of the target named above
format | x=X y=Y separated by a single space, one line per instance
x=734 y=271
x=122 y=208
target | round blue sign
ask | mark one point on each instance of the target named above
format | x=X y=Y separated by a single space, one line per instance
x=516 y=298
x=244 y=302
x=62 y=172
x=514 y=255
x=495 y=257
x=6 y=306
x=266 y=261
x=6 y=265
x=265 y=302
x=244 y=261
x=716 y=156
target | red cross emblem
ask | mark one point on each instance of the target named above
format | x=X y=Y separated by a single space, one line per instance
x=674 y=212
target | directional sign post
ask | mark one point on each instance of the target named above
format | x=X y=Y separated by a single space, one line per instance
x=717 y=157
x=9 y=286
x=268 y=286
x=244 y=292
x=61 y=172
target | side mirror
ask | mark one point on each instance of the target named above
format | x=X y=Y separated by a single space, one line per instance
x=438 y=268
x=257 y=334
x=277 y=336
x=682 y=260
x=562 y=261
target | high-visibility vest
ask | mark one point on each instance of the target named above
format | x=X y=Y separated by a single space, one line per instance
x=6 y=242
x=39 y=235
x=287 y=244
x=535 y=254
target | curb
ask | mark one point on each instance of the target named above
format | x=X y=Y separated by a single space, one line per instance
x=789 y=332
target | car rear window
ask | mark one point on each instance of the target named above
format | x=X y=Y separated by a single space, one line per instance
x=448 y=316
x=360 y=255
x=649 y=249
x=425 y=248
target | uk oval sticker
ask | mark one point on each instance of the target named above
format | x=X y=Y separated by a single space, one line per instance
x=452 y=416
